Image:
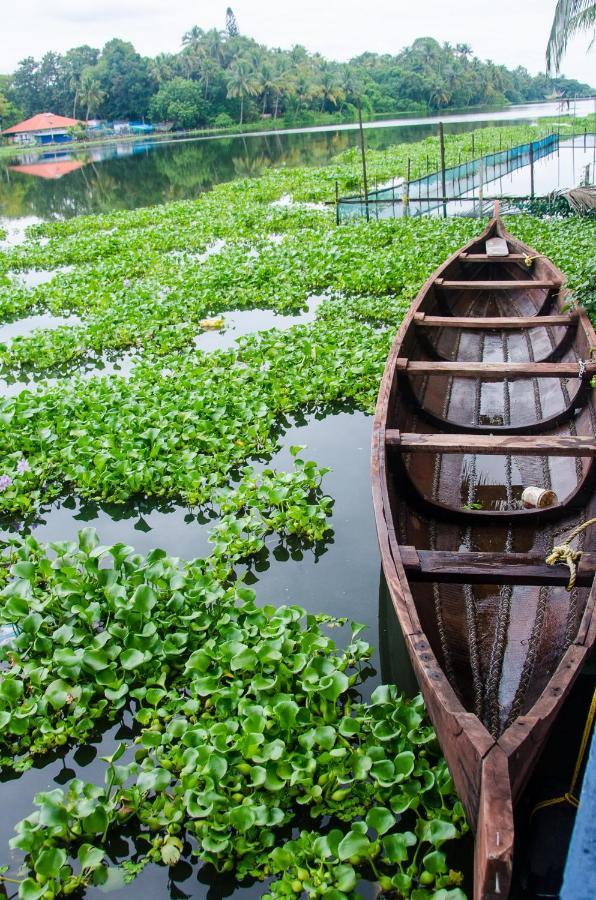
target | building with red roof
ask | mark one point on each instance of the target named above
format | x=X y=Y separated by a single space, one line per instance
x=44 y=128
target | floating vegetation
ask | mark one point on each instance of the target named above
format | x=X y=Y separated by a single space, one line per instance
x=252 y=747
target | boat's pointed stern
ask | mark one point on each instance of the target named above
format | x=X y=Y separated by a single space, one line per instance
x=495 y=830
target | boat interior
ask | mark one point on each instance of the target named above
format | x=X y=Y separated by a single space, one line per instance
x=498 y=643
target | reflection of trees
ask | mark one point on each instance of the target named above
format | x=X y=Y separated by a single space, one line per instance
x=178 y=170
x=248 y=166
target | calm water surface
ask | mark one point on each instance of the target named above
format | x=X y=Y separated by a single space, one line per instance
x=127 y=175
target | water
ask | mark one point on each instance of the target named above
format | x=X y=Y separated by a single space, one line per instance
x=127 y=175
x=340 y=578
x=24 y=327
x=247 y=321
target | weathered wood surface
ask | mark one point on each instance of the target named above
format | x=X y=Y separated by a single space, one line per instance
x=496 y=371
x=491 y=568
x=517 y=445
x=496 y=246
x=489 y=771
x=487 y=257
x=423 y=320
x=509 y=285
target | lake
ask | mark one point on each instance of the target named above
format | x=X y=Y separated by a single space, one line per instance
x=126 y=174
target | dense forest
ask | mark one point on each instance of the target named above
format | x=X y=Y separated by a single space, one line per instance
x=221 y=77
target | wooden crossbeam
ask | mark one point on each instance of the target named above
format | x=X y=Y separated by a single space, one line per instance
x=516 y=445
x=499 y=322
x=528 y=285
x=484 y=257
x=491 y=568
x=495 y=371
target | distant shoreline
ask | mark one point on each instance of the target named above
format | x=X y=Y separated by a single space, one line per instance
x=265 y=128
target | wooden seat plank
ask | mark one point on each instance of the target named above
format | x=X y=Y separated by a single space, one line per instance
x=526 y=285
x=517 y=445
x=499 y=322
x=495 y=371
x=467 y=567
x=485 y=257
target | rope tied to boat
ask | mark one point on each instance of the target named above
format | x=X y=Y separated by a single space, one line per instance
x=528 y=260
x=570 y=796
x=566 y=555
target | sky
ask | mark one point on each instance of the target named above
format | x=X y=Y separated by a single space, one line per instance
x=511 y=32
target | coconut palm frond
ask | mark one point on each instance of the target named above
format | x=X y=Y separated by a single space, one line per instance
x=571 y=17
x=582 y=200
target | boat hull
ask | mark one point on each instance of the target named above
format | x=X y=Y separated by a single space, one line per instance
x=490 y=737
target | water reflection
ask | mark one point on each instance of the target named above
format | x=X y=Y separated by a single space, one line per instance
x=23 y=327
x=126 y=175
x=248 y=321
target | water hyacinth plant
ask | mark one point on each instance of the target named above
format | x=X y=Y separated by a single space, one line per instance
x=252 y=748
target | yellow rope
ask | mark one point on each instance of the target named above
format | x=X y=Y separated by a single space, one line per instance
x=566 y=555
x=528 y=260
x=569 y=796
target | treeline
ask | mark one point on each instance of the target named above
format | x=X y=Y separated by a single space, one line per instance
x=221 y=77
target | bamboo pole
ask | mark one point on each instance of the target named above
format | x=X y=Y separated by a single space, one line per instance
x=443 y=184
x=363 y=154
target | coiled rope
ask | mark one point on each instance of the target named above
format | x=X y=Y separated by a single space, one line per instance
x=566 y=555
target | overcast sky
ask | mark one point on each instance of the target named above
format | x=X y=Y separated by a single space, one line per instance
x=511 y=32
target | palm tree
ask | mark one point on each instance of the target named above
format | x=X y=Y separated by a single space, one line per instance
x=242 y=82
x=215 y=45
x=440 y=96
x=75 y=85
x=571 y=18
x=330 y=89
x=282 y=82
x=266 y=78
x=193 y=37
x=91 y=94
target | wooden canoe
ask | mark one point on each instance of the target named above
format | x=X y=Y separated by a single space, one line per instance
x=487 y=391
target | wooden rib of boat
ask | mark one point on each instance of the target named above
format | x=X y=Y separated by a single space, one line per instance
x=487 y=391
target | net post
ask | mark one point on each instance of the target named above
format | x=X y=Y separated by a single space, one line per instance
x=443 y=182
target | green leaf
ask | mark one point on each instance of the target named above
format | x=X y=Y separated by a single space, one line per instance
x=438 y=832
x=242 y=818
x=380 y=819
x=154 y=780
x=395 y=846
x=353 y=844
x=131 y=659
x=144 y=599
x=31 y=890
x=50 y=861
x=59 y=693
x=90 y=857
x=435 y=862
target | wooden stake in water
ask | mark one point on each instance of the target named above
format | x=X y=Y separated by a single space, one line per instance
x=531 y=170
x=337 y=203
x=363 y=154
x=443 y=185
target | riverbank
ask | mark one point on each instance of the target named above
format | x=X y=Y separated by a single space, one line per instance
x=281 y=126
